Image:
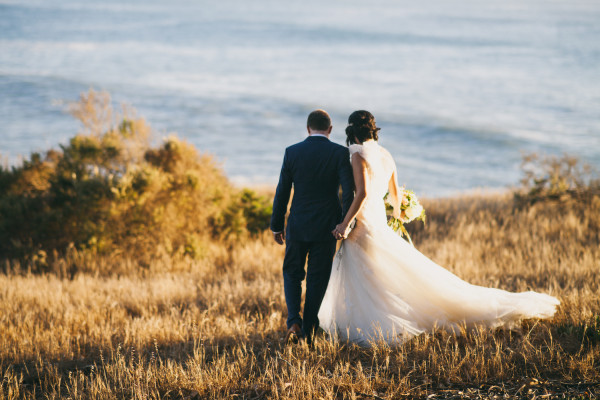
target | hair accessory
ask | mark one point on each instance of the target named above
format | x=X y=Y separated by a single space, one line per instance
x=350 y=124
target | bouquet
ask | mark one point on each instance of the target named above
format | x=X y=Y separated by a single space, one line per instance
x=410 y=210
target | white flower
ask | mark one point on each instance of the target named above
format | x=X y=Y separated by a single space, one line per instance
x=413 y=212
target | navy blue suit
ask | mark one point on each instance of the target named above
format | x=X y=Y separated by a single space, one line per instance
x=316 y=168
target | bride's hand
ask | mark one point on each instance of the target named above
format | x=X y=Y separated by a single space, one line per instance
x=341 y=231
x=401 y=215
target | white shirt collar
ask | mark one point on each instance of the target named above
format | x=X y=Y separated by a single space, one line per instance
x=319 y=134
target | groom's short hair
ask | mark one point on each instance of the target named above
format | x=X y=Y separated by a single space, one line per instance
x=318 y=120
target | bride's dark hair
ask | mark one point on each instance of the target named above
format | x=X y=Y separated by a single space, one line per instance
x=361 y=127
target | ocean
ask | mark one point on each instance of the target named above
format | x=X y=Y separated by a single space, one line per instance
x=460 y=89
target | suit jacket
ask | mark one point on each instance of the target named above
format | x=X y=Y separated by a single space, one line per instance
x=315 y=167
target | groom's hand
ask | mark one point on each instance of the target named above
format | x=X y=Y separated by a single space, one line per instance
x=340 y=232
x=279 y=237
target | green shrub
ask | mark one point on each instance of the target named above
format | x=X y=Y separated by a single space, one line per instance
x=556 y=178
x=111 y=191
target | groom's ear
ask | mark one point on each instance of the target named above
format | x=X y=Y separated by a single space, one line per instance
x=308 y=129
x=330 y=128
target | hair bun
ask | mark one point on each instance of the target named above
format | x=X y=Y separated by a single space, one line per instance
x=361 y=127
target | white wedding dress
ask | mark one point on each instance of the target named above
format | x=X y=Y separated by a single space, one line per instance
x=382 y=288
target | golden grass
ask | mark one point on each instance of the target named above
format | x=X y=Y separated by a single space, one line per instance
x=213 y=328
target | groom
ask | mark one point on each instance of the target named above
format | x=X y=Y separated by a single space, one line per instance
x=315 y=167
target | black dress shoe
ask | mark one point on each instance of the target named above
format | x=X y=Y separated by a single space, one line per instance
x=294 y=334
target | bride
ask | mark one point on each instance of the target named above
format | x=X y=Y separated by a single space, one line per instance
x=383 y=288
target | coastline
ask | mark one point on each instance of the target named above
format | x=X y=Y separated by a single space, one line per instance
x=147 y=273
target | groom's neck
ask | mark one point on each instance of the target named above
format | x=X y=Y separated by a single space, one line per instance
x=312 y=132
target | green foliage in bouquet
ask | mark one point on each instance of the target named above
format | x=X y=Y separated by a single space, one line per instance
x=109 y=190
x=411 y=210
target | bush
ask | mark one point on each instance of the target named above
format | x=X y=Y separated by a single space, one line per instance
x=556 y=178
x=109 y=190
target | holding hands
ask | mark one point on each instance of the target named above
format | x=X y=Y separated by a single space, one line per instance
x=341 y=231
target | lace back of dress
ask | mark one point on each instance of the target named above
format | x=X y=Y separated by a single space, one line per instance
x=379 y=169
x=379 y=172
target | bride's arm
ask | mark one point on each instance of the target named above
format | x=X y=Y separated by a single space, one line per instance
x=359 y=170
x=394 y=196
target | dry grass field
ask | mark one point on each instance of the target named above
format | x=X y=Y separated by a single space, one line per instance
x=212 y=327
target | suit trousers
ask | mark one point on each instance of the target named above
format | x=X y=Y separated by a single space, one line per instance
x=320 y=257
